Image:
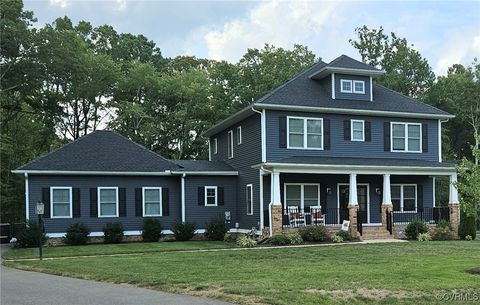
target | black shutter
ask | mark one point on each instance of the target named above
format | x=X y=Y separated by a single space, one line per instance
x=419 y=198
x=93 y=202
x=346 y=130
x=165 y=202
x=138 y=202
x=424 y=137
x=386 y=136
x=122 y=202
x=220 y=196
x=46 y=202
x=326 y=132
x=201 y=195
x=283 y=132
x=76 y=202
x=368 y=131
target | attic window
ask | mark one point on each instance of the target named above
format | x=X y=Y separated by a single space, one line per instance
x=345 y=86
x=359 y=86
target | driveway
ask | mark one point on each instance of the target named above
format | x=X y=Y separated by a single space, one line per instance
x=25 y=288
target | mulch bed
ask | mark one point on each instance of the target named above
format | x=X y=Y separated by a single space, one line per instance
x=475 y=271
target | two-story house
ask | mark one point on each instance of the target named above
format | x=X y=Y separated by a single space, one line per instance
x=327 y=146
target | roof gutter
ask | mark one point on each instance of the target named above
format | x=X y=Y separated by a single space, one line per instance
x=90 y=173
x=206 y=173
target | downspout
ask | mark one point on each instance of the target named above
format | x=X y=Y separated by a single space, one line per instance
x=264 y=154
x=183 y=196
x=27 y=198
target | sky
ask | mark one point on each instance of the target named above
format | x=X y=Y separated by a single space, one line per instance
x=445 y=32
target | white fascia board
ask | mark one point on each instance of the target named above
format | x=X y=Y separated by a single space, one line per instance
x=207 y=173
x=92 y=173
x=327 y=70
x=354 y=111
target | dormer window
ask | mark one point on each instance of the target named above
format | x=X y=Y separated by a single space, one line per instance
x=345 y=86
x=359 y=86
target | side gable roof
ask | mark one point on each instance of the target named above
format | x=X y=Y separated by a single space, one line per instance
x=101 y=151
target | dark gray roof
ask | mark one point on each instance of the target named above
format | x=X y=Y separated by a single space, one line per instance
x=102 y=150
x=364 y=162
x=304 y=91
x=346 y=62
x=203 y=166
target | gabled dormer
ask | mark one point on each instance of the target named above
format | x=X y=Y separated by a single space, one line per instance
x=348 y=78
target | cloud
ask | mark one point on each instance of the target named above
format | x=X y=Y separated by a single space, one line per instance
x=121 y=5
x=460 y=47
x=59 y=3
x=277 y=22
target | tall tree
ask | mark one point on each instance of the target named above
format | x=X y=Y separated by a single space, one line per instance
x=406 y=70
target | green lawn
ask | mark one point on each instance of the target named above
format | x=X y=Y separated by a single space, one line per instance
x=400 y=273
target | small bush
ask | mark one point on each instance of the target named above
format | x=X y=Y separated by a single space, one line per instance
x=443 y=223
x=337 y=239
x=295 y=238
x=314 y=233
x=30 y=236
x=230 y=238
x=468 y=237
x=424 y=237
x=414 y=228
x=216 y=228
x=77 y=234
x=113 y=233
x=183 y=230
x=467 y=226
x=246 y=242
x=345 y=235
x=442 y=233
x=278 y=240
x=151 y=230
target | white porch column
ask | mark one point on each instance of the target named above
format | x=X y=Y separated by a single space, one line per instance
x=352 y=190
x=275 y=189
x=387 y=196
x=453 y=189
x=276 y=217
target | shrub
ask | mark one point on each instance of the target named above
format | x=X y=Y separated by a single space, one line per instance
x=443 y=223
x=151 y=230
x=216 y=228
x=442 y=233
x=113 y=233
x=467 y=226
x=246 y=242
x=468 y=237
x=337 y=239
x=345 y=235
x=295 y=238
x=424 y=237
x=30 y=235
x=278 y=240
x=314 y=233
x=183 y=230
x=230 y=238
x=77 y=234
x=414 y=228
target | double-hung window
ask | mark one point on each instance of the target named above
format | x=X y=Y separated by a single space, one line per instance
x=358 y=130
x=152 y=201
x=230 y=144
x=305 y=133
x=359 y=86
x=406 y=137
x=61 y=202
x=211 y=196
x=345 y=86
x=108 y=202
x=404 y=197
x=239 y=135
x=302 y=195
x=249 y=199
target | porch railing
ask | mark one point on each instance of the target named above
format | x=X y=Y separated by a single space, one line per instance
x=298 y=217
x=429 y=215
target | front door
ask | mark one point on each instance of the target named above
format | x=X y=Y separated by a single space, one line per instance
x=343 y=198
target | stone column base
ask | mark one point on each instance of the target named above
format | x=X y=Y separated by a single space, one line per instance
x=352 y=216
x=277 y=219
x=454 y=216
x=386 y=208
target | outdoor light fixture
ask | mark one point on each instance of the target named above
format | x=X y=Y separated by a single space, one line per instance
x=329 y=190
x=378 y=191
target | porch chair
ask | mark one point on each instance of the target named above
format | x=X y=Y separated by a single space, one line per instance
x=296 y=218
x=317 y=217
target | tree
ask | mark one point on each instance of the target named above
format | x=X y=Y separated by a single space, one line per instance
x=468 y=185
x=406 y=71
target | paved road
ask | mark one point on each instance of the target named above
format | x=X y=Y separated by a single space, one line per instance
x=32 y=288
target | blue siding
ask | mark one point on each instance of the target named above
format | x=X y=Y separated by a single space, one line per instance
x=244 y=156
x=130 y=222
x=352 y=96
x=344 y=148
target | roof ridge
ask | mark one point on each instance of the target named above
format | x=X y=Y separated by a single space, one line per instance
x=337 y=59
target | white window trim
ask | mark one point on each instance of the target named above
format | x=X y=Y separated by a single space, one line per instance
x=230 y=139
x=251 y=196
x=215 y=146
x=402 y=197
x=216 y=196
x=143 y=201
x=407 y=150
x=346 y=81
x=98 y=201
x=239 y=135
x=363 y=86
x=69 y=188
x=305 y=134
x=302 y=193
x=352 y=133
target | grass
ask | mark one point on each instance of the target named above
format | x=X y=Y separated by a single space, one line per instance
x=399 y=273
